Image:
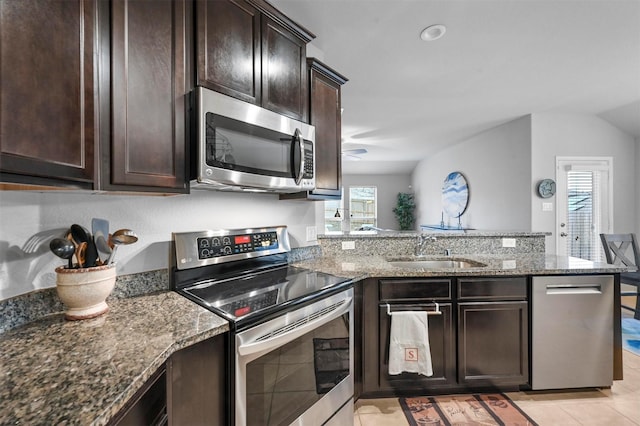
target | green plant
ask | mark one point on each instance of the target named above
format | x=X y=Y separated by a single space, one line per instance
x=404 y=211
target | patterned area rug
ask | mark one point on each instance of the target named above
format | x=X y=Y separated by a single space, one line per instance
x=631 y=335
x=480 y=409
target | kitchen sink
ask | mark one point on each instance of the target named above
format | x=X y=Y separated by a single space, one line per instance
x=422 y=263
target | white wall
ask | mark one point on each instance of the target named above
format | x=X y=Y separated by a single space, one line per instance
x=388 y=188
x=26 y=213
x=556 y=135
x=497 y=166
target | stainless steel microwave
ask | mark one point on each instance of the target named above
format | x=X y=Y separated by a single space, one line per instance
x=243 y=147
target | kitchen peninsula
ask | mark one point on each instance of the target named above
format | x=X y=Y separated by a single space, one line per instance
x=88 y=371
x=502 y=314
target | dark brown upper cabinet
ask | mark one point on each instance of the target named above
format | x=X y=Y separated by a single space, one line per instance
x=325 y=114
x=47 y=92
x=251 y=51
x=144 y=127
x=94 y=94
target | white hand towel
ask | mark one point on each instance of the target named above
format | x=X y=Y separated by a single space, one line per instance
x=409 y=349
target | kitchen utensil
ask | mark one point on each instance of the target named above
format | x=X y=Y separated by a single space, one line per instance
x=104 y=251
x=121 y=237
x=100 y=230
x=80 y=254
x=91 y=253
x=63 y=248
x=79 y=234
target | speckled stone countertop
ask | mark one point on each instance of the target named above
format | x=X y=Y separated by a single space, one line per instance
x=361 y=266
x=54 y=371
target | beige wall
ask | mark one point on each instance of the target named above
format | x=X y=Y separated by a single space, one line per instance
x=497 y=166
x=576 y=135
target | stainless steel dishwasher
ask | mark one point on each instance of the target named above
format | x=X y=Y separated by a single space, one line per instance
x=572 y=332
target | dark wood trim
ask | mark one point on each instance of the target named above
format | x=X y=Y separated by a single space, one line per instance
x=268 y=9
x=326 y=70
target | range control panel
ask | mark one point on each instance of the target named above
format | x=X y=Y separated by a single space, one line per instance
x=218 y=246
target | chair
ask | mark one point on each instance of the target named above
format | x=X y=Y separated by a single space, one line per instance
x=616 y=250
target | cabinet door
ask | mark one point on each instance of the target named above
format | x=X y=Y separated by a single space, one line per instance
x=148 y=406
x=149 y=90
x=443 y=357
x=47 y=94
x=228 y=46
x=198 y=389
x=325 y=114
x=284 y=71
x=493 y=347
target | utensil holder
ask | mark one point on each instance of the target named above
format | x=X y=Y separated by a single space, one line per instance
x=84 y=291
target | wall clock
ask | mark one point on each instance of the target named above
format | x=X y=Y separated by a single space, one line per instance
x=546 y=188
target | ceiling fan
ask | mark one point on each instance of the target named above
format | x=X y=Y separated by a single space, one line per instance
x=354 y=154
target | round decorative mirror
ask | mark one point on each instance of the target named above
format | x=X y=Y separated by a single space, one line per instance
x=455 y=194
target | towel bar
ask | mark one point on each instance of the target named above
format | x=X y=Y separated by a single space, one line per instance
x=436 y=312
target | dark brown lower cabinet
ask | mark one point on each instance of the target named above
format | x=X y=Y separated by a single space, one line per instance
x=493 y=345
x=442 y=346
x=480 y=339
x=189 y=389
x=196 y=391
x=148 y=406
x=406 y=294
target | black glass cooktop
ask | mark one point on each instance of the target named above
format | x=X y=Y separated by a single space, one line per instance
x=257 y=295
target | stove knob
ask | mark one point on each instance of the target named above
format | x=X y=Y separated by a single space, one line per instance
x=227 y=250
x=226 y=241
x=215 y=242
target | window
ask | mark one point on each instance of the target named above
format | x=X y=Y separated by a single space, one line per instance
x=361 y=214
x=331 y=222
x=363 y=207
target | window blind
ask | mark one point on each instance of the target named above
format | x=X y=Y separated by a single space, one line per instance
x=583 y=215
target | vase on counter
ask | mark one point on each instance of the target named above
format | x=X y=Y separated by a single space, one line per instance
x=84 y=290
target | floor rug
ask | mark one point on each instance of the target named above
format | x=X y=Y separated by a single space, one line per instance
x=631 y=335
x=479 y=409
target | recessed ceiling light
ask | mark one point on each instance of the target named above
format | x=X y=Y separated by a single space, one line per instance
x=433 y=32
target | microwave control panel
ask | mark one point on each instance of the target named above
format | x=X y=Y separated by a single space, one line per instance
x=218 y=246
x=308 y=164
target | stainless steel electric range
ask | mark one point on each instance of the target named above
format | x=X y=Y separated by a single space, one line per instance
x=290 y=351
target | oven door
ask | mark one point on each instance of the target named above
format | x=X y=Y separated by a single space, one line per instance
x=297 y=368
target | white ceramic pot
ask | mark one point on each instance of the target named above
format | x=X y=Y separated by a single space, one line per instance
x=84 y=291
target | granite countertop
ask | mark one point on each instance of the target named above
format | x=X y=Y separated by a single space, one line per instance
x=55 y=371
x=439 y=234
x=360 y=266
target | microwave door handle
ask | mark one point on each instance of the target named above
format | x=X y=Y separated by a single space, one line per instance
x=299 y=147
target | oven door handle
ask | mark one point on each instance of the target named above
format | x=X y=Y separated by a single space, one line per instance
x=287 y=336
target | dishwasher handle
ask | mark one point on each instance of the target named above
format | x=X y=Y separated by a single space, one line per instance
x=574 y=289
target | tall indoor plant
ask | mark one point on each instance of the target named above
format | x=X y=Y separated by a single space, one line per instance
x=404 y=211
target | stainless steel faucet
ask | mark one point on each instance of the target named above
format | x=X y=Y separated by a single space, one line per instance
x=423 y=240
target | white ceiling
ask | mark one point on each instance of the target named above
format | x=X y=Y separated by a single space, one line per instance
x=499 y=60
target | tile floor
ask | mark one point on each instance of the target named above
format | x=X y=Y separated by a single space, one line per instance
x=619 y=405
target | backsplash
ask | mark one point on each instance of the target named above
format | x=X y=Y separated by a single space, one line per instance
x=30 y=219
x=405 y=243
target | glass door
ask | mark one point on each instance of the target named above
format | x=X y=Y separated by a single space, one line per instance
x=584 y=206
